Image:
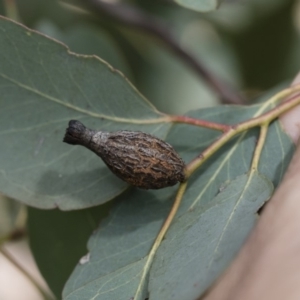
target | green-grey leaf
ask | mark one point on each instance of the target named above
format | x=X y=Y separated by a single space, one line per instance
x=124 y=240
x=202 y=242
x=200 y=5
x=43 y=86
x=118 y=249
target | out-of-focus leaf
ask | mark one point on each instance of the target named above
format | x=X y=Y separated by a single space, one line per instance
x=238 y=16
x=292 y=60
x=172 y=87
x=50 y=29
x=213 y=50
x=170 y=83
x=296 y=15
x=58 y=240
x=202 y=242
x=200 y=5
x=32 y=11
x=43 y=86
x=264 y=48
x=119 y=248
x=252 y=6
x=262 y=8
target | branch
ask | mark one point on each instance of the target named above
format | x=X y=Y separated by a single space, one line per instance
x=133 y=17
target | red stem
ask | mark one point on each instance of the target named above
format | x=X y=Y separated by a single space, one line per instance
x=199 y=122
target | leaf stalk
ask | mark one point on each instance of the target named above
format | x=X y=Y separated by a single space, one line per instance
x=259 y=146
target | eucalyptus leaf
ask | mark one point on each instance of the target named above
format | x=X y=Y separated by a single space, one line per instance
x=118 y=249
x=202 y=242
x=123 y=241
x=43 y=86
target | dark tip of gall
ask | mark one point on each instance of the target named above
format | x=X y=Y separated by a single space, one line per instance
x=74 y=132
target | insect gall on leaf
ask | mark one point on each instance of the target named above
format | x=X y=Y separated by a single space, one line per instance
x=138 y=158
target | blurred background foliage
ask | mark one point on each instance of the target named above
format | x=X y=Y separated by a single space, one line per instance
x=252 y=45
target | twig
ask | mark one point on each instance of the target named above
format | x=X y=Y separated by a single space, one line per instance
x=132 y=16
x=264 y=119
